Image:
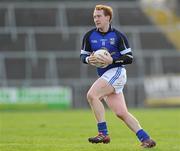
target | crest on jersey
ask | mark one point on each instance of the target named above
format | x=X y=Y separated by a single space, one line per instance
x=112 y=41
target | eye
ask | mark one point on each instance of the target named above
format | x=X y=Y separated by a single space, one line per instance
x=94 y=17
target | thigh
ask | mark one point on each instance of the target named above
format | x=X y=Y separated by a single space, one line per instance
x=101 y=88
x=116 y=77
x=116 y=102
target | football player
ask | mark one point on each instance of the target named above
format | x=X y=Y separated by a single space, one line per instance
x=109 y=86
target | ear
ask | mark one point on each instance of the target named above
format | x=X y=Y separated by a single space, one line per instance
x=108 y=17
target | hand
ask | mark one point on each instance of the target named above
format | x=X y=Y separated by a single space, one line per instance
x=93 y=60
x=106 y=59
x=100 y=60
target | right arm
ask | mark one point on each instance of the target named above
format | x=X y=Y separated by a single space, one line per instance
x=87 y=56
x=85 y=49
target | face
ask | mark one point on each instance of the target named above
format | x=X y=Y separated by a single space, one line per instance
x=100 y=20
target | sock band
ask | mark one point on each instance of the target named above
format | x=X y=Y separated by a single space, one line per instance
x=102 y=128
x=142 y=135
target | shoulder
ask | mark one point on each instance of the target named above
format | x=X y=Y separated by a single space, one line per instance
x=88 y=33
x=120 y=34
x=122 y=38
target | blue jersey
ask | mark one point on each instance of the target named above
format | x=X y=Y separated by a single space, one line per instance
x=114 y=41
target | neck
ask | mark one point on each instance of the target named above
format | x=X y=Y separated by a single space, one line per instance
x=104 y=29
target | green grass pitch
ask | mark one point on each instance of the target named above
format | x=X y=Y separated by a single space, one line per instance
x=68 y=130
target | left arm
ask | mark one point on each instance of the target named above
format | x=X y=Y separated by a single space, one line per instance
x=125 y=50
x=124 y=59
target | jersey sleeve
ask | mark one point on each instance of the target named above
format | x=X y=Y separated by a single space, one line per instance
x=85 y=48
x=125 y=50
x=123 y=44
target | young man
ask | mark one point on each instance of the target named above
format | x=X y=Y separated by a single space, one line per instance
x=112 y=78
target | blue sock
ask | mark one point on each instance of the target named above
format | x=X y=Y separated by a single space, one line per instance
x=142 y=135
x=102 y=128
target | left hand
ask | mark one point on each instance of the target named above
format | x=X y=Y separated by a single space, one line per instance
x=106 y=59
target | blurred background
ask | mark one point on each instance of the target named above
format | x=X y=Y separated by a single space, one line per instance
x=40 y=43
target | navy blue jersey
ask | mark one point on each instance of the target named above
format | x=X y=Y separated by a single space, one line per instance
x=113 y=40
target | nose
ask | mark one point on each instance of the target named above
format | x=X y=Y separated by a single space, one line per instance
x=95 y=19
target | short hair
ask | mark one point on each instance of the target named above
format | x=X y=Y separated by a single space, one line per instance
x=108 y=11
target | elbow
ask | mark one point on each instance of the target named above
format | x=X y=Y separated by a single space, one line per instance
x=128 y=61
x=83 y=58
x=131 y=61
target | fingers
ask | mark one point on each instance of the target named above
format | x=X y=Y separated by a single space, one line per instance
x=95 y=59
x=92 y=59
x=106 y=59
x=100 y=59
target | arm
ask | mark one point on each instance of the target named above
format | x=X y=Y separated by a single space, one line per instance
x=124 y=59
x=87 y=56
x=125 y=50
x=84 y=58
x=85 y=48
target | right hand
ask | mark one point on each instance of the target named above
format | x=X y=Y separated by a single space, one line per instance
x=93 y=60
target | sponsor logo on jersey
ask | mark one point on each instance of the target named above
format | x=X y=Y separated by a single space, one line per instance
x=94 y=41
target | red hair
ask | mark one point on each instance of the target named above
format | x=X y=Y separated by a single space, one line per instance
x=108 y=11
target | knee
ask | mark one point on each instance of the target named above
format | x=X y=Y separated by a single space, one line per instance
x=122 y=114
x=91 y=96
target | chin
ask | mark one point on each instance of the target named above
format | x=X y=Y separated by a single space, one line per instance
x=97 y=26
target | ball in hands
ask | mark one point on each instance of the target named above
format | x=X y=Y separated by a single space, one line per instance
x=101 y=54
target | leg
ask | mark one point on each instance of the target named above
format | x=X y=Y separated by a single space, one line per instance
x=99 y=89
x=116 y=103
x=103 y=87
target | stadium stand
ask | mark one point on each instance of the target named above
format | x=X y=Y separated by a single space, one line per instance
x=15 y=68
x=68 y=68
x=8 y=43
x=39 y=69
x=163 y=16
x=137 y=17
x=42 y=41
x=56 y=42
x=79 y=16
x=154 y=41
x=33 y=17
x=2 y=17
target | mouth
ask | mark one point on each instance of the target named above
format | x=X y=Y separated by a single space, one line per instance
x=97 y=24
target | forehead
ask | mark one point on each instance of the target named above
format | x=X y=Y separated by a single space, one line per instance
x=98 y=12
